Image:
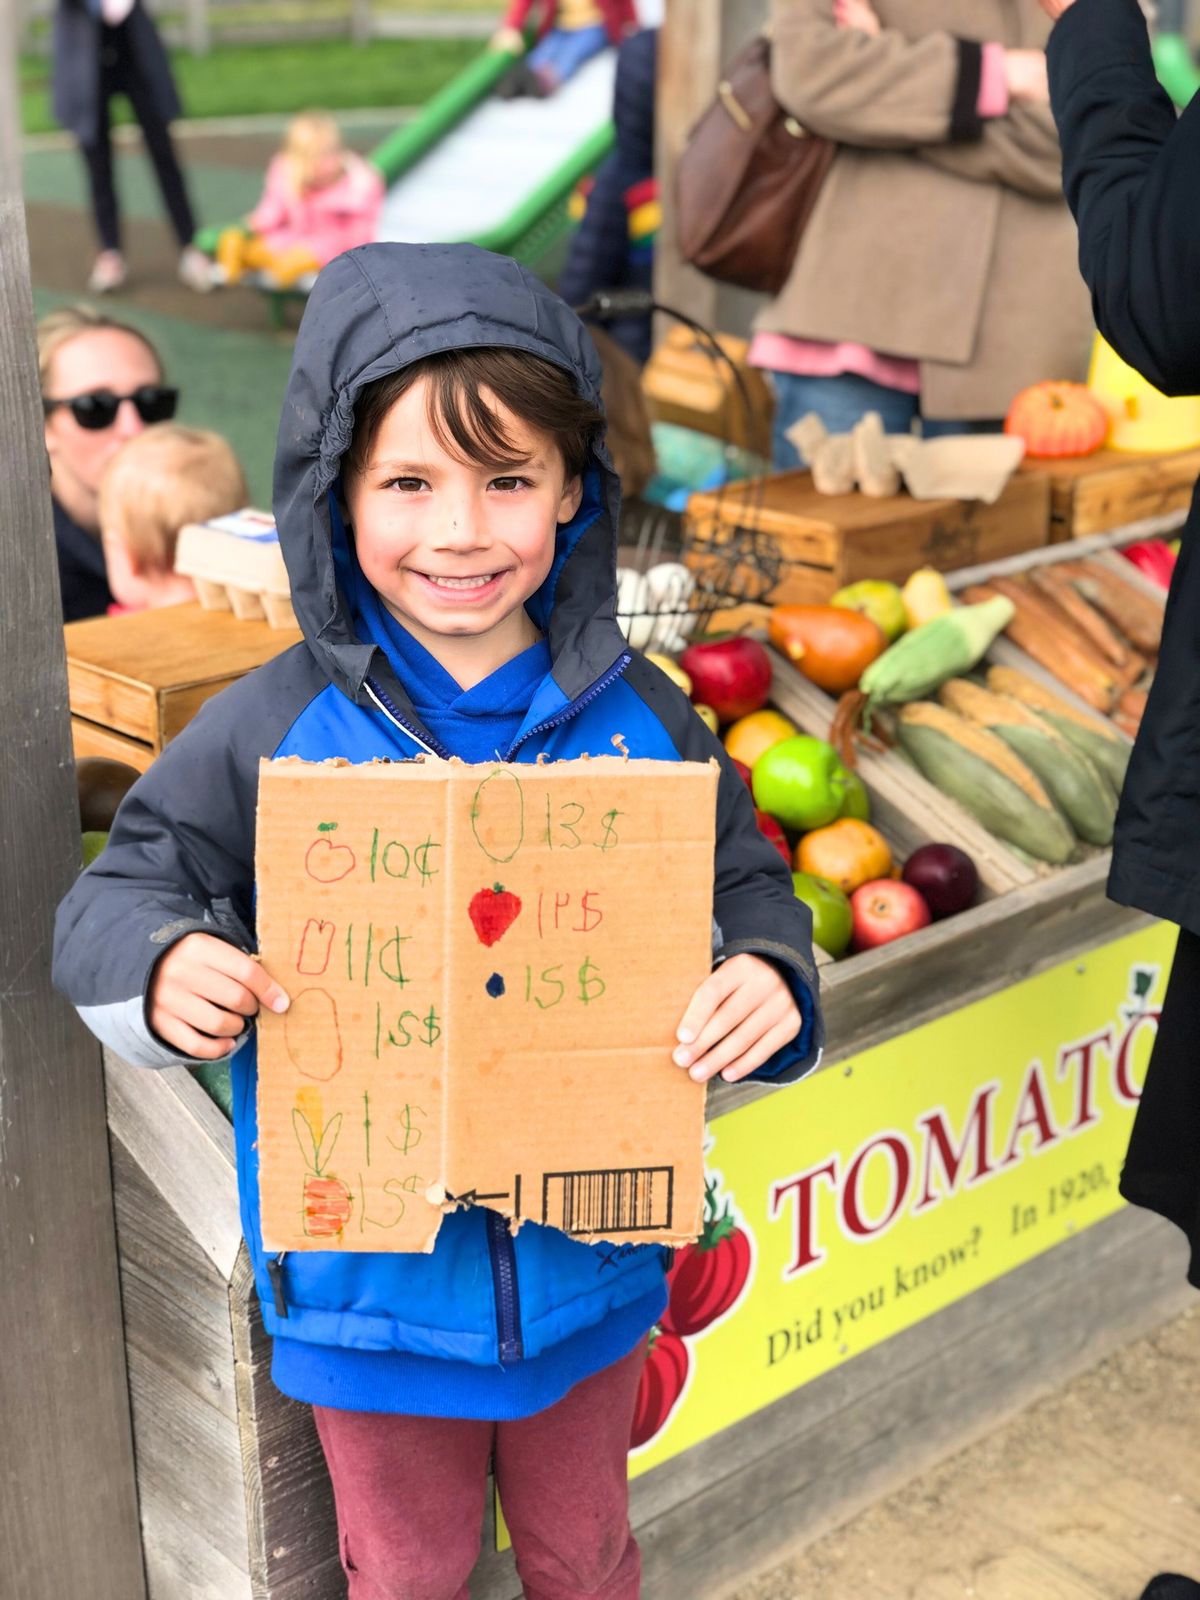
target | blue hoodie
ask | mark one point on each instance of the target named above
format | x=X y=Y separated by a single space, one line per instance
x=532 y=1314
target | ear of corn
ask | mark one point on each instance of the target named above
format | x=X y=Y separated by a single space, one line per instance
x=921 y=661
x=979 y=770
x=1070 y=778
x=1086 y=733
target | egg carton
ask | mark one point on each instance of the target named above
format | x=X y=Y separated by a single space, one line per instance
x=236 y=565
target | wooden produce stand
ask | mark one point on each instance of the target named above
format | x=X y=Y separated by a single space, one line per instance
x=936 y=1238
x=135 y=681
x=812 y=544
x=1114 y=488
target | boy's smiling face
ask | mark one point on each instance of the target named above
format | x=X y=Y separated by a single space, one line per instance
x=455 y=548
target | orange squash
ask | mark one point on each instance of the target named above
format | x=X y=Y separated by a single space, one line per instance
x=831 y=645
x=1058 y=419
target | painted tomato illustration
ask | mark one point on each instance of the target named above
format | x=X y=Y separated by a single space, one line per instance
x=660 y=1386
x=707 y=1276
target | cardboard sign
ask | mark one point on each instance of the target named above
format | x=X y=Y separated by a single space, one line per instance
x=486 y=965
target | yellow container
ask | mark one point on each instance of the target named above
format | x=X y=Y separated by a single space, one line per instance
x=1141 y=418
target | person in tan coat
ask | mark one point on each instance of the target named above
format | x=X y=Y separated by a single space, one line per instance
x=937 y=276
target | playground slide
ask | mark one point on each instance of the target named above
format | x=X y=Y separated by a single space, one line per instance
x=498 y=173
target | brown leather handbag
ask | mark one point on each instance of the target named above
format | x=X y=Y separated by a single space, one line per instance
x=748 y=180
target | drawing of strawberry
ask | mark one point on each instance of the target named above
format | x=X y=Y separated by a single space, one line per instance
x=327 y=1203
x=493 y=912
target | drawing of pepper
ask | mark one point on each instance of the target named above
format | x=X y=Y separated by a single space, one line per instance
x=327 y=1203
x=660 y=1386
x=708 y=1277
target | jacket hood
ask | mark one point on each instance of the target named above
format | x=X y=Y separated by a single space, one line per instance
x=373 y=311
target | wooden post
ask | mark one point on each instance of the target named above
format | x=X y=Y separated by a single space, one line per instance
x=697 y=39
x=196 y=28
x=361 y=21
x=68 y=1506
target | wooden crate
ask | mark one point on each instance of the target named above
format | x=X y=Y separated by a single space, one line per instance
x=90 y=739
x=144 y=676
x=812 y=544
x=1111 y=489
x=687 y=383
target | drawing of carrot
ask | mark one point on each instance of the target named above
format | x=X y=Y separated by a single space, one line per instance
x=327 y=1202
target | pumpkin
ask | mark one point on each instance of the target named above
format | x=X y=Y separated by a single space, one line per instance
x=831 y=645
x=1058 y=419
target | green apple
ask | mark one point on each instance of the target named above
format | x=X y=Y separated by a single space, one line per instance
x=833 y=919
x=801 y=781
x=881 y=601
x=857 y=803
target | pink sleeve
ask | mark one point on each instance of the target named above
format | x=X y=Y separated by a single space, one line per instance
x=273 y=208
x=993 y=83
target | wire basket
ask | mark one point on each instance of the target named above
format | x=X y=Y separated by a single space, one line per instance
x=674 y=581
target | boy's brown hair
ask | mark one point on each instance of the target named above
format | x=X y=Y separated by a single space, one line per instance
x=165 y=477
x=466 y=424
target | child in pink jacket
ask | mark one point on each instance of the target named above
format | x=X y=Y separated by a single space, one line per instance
x=319 y=199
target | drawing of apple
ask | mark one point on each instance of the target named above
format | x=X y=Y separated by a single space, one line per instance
x=328 y=862
x=493 y=912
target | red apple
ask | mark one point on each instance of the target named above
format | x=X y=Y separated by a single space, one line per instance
x=885 y=910
x=732 y=675
x=743 y=772
x=770 y=829
x=944 y=876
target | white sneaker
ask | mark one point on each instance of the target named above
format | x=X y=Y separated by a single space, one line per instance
x=196 y=270
x=108 y=273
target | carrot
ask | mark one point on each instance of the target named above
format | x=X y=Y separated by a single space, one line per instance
x=1055 y=586
x=1036 y=630
x=1138 y=615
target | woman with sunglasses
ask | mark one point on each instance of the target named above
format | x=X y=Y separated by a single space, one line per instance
x=102 y=383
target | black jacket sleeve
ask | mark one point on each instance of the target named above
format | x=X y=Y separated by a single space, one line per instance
x=1129 y=171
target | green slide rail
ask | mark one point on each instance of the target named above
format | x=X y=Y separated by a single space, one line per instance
x=536 y=231
x=1176 y=67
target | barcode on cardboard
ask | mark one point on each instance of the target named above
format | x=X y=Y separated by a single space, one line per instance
x=620 y=1200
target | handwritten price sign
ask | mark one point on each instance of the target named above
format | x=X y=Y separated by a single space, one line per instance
x=487 y=965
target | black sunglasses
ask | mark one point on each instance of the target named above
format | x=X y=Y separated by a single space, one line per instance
x=98 y=409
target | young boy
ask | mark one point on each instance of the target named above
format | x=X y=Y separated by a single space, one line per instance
x=448 y=514
x=161 y=480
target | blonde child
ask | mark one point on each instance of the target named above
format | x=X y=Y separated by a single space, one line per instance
x=164 y=478
x=319 y=199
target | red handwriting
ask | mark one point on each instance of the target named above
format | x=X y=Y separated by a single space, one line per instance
x=316 y=946
x=553 y=904
x=328 y=862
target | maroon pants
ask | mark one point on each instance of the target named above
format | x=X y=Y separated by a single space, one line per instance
x=410 y=1495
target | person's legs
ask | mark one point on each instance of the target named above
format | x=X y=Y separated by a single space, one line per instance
x=410 y=1495
x=564 y=1487
x=840 y=402
x=98 y=159
x=563 y=51
x=167 y=170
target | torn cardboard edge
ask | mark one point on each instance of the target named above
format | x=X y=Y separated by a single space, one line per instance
x=487 y=965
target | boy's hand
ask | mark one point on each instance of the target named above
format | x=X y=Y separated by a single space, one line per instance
x=202 y=992
x=739 y=1016
x=1055 y=8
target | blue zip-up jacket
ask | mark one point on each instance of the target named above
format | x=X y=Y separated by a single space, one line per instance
x=180 y=857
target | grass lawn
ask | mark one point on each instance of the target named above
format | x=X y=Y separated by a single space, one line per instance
x=235 y=80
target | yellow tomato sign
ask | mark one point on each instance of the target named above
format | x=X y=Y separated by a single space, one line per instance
x=885 y=1188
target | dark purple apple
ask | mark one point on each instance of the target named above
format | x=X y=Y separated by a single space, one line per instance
x=945 y=876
